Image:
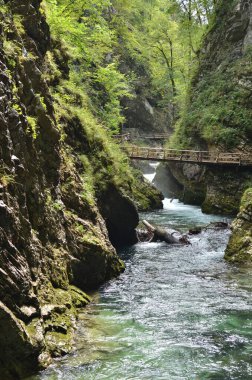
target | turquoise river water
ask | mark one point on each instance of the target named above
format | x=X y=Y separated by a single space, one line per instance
x=177 y=313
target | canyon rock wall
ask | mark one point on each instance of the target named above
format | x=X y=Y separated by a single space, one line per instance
x=54 y=232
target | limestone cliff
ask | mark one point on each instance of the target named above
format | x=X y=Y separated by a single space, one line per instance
x=55 y=217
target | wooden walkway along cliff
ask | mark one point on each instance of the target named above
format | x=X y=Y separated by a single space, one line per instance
x=157 y=136
x=191 y=156
x=129 y=137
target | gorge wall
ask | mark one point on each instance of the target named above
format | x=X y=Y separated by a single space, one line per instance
x=143 y=114
x=218 y=114
x=61 y=197
x=218 y=117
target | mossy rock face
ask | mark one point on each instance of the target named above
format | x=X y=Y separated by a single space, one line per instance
x=15 y=344
x=219 y=112
x=49 y=217
x=146 y=196
x=225 y=188
x=218 y=190
x=79 y=298
x=239 y=248
x=220 y=203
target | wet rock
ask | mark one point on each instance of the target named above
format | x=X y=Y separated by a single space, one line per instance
x=182 y=181
x=239 y=248
x=195 y=231
x=224 y=190
x=121 y=219
x=15 y=345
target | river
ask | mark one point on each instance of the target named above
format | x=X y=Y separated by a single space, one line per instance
x=177 y=313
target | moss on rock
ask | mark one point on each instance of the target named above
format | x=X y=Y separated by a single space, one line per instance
x=146 y=196
x=239 y=248
x=219 y=112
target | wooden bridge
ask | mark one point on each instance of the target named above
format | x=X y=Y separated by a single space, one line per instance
x=158 y=136
x=129 y=137
x=190 y=156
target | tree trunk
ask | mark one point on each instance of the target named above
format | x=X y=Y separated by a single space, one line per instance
x=164 y=234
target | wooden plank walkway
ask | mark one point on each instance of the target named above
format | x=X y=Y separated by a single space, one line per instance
x=158 y=136
x=122 y=138
x=190 y=156
x=128 y=137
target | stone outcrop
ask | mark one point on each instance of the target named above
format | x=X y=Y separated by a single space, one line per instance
x=122 y=218
x=49 y=241
x=239 y=248
x=224 y=190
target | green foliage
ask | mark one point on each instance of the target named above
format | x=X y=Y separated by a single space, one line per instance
x=85 y=33
x=218 y=111
x=17 y=108
x=87 y=181
x=58 y=206
x=5 y=177
x=161 y=37
x=32 y=126
x=10 y=47
x=52 y=72
x=41 y=101
x=114 y=84
x=84 y=30
x=18 y=22
x=103 y=162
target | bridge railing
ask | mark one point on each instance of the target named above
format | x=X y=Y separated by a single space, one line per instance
x=157 y=136
x=122 y=137
x=187 y=155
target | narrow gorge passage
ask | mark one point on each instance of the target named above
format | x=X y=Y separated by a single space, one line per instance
x=80 y=82
x=177 y=313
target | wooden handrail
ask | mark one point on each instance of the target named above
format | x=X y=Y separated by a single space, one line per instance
x=192 y=156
